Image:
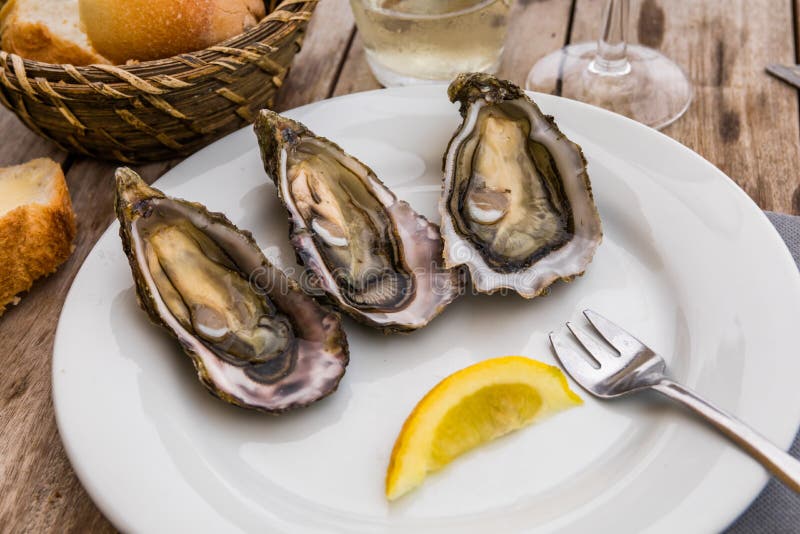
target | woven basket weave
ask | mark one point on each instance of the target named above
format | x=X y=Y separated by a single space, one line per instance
x=160 y=109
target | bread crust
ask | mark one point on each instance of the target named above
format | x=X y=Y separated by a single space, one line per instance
x=37 y=42
x=229 y=18
x=144 y=30
x=35 y=239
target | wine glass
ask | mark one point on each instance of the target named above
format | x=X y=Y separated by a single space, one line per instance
x=633 y=80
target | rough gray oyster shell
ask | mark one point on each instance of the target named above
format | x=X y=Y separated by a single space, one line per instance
x=517 y=205
x=373 y=255
x=256 y=340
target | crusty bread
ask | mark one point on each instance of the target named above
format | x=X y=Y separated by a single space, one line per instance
x=37 y=225
x=153 y=29
x=46 y=30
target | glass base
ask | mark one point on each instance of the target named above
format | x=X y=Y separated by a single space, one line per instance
x=392 y=78
x=653 y=90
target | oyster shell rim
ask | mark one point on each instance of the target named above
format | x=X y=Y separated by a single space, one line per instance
x=268 y=126
x=474 y=91
x=150 y=300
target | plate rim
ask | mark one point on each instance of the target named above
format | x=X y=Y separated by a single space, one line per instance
x=748 y=491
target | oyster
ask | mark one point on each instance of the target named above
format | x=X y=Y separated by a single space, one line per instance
x=517 y=206
x=256 y=340
x=372 y=254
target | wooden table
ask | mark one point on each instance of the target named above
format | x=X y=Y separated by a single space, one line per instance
x=742 y=120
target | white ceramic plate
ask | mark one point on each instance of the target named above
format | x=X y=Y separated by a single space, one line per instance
x=688 y=262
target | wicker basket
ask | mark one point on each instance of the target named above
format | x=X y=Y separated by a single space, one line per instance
x=160 y=109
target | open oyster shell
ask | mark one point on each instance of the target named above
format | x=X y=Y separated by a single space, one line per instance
x=517 y=206
x=254 y=337
x=373 y=255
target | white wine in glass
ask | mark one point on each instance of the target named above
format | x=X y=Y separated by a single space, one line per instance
x=423 y=41
x=633 y=80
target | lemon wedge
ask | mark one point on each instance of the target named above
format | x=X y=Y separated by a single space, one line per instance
x=472 y=406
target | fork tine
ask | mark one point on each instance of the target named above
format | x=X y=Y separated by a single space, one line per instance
x=599 y=352
x=573 y=363
x=618 y=338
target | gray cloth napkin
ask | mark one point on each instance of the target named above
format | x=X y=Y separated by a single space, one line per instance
x=777 y=509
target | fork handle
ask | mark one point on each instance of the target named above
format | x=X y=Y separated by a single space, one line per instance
x=776 y=460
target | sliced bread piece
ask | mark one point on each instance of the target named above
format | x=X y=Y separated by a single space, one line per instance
x=46 y=30
x=37 y=225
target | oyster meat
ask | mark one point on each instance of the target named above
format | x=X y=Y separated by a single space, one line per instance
x=373 y=255
x=517 y=206
x=256 y=340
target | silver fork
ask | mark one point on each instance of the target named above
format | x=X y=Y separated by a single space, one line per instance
x=635 y=367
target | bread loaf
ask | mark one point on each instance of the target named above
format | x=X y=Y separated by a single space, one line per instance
x=153 y=29
x=37 y=225
x=46 y=30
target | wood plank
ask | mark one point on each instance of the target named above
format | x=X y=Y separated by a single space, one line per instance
x=20 y=144
x=317 y=66
x=742 y=120
x=355 y=75
x=536 y=29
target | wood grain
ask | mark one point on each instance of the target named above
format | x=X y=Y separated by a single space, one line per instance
x=316 y=68
x=536 y=28
x=18 y=144
x=742 y=120
x=355 y=75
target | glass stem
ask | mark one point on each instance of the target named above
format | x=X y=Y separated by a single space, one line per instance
x=611 y=58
